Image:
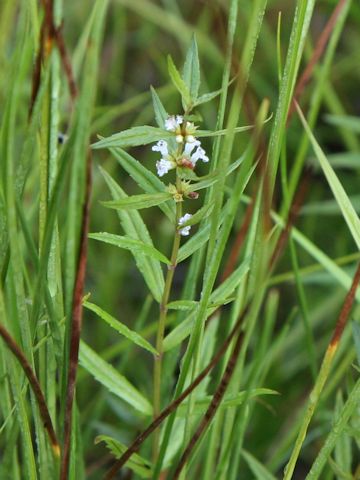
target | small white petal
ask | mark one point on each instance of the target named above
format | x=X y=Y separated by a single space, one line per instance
x=179 y=138
x=186 y=230
x=173 y=122
x=199 y=154
x=190 y=138
x=163 y=166
x=161 y=147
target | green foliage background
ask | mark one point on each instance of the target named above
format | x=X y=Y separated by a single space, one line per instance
x=117 y=50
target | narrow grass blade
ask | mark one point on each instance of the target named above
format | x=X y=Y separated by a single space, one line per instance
x=341 y=197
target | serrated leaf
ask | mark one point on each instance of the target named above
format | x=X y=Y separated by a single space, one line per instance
x=149 y=182
x=215 y=176
x=137 y=202
x=207 y=97
x=134 y=227
x=191 y=73
x=116 y=383
x=182 y=305
x=179 y=83
x=136 y=463
x=340 y=195
x=130 y=244
x=202 y=213
x=120 y=327
x=133 y=137
x=160 y=113
x=201 y=404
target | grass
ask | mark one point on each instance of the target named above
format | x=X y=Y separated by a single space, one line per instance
x=127 y=349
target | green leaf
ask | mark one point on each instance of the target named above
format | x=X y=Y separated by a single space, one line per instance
x=133 y=137
x=218 y=296
x=137 y=464
x=160 y=113
x=345 y=205
x=345 y=121
x=202 y=213
x=136 y=202
x=134 y=227
x=179 y=83
x=149 y=182
x=215 y=176
x=182 y=305
x=191 y=73
x=217 y=133
x=257 y=468
x=207 y=97
x=120 y=327
x=130 y=244
x=202 y=403
x=108 y=376
x=356 y=335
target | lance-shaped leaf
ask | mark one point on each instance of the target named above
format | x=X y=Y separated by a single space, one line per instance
x=160 y=113
x=108 y=376
x=134 y=227
x=215 y=176
x=137 y=464
x=202 y=403
x=130 y=244
x=203 y=212
x=182 y=305
x=137 y=202
x=179 y=83
x=191 y=72
x=120 y=327
x=133 y=137
x=146 y=180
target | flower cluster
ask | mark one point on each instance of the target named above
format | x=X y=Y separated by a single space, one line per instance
x=188 y=152
x=184 y=153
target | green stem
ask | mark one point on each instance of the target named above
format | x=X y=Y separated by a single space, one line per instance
x=162 y=322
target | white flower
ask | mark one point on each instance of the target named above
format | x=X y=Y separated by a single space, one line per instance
x=173 y=123
x=199 y=153
x=163 y=166
x=161 y=147
x=166 y=163
x=186 y=230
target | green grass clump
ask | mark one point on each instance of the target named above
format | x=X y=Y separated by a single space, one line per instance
x=221 y=338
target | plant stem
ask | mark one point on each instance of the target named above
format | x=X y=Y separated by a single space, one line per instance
x=162 y=321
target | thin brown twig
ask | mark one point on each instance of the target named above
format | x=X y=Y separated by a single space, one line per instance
x=35 y=386
x=50 y=34
x=76 y=324
x=345 y=311
x=293 y=214
x=173 y=405
x=214 y=405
